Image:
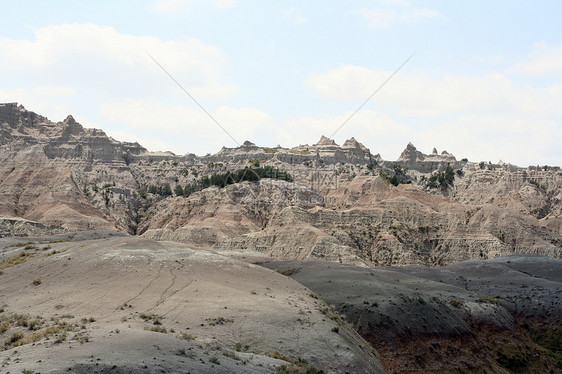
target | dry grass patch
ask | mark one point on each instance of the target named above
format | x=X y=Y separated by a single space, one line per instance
x=14 y=260
x=19 y=329
x=219 y=321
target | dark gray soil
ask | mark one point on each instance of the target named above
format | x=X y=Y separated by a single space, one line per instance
x=409 y=312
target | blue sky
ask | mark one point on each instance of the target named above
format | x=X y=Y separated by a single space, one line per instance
x=484 y=83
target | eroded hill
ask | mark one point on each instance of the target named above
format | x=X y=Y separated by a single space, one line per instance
x=340 y=203
x=100 y=302
x=480 y=316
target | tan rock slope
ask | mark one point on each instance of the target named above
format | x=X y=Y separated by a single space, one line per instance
x=341 y=203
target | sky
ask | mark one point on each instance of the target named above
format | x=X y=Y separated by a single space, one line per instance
x=483 y=80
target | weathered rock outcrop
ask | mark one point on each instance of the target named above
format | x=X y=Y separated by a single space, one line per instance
x=22 y=227
x=413 y=159
x=397 y=226
x=343 y=203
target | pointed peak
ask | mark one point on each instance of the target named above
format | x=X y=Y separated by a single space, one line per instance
x=351 y=143
x=325 y=141
x=434 y=152
x=69 y=120
x=411 y=154
x=248 y=143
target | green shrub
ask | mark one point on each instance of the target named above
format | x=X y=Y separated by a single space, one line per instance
x=442 y=179
x=247 y=174
x=178 y=190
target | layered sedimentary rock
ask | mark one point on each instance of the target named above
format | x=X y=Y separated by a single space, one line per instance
x=342 y=204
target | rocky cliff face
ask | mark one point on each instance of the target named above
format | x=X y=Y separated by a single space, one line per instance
x=413 y=159
x=342 y=204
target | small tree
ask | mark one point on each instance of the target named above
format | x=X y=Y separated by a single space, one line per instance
x=166 y=190
x=142 y=192
x=178 y=190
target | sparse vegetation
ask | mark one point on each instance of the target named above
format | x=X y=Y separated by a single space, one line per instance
x=246 y=174
x=178 y=190
x=14 y=260
x=456 y=303
x=489 y=299
x=54 y=253
x=442 y=179
x=297 y=369
x=239 y=348
x=164 y=190
x=287 y=272
x=219 y=321
x=186 y=336
x=37 y=329
x=398 y=177
x=160 y=329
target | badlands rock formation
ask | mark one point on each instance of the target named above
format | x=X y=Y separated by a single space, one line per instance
x=343 y=203
x=114 y=259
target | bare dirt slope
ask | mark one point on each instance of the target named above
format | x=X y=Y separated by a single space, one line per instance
x=96 y=302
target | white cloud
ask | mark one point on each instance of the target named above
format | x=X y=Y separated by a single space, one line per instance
x=183 y=129
x=89 y=57
x=404 y=13
x=545 y=59
x=493 y=137
x=418 y=15
x=417 y=94
x=379 y=17
x=485 y=117
x=479 y=117
x=368 y=126
x=152 y=144
x=181 y=6
x=294 y=14
x=396 y=2
x=44 y=100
